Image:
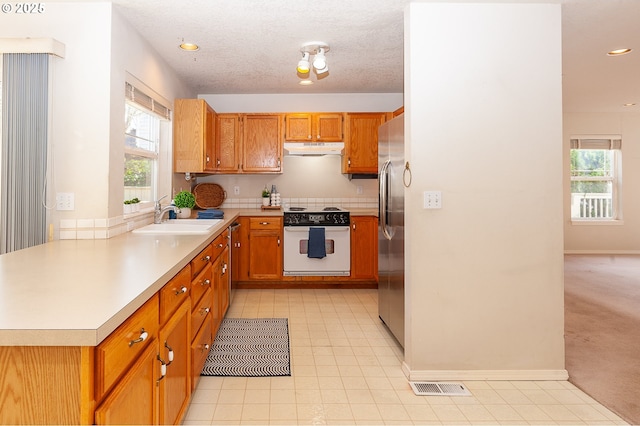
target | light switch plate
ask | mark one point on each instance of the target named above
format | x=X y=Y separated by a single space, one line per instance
x=65 y=201
x=432 y=199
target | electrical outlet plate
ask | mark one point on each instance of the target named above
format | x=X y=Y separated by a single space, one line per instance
x=236 y=190
x=432 y=199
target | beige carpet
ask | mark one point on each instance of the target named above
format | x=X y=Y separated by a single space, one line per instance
x=602 y=330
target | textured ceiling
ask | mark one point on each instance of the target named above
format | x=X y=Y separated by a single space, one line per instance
x=252 y=46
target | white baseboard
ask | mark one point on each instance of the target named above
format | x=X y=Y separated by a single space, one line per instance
x=606 y=252
x=448 y=375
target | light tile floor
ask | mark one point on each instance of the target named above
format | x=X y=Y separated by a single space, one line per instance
x=346 y=370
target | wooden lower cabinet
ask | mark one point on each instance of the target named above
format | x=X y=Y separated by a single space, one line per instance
x=123 y=379
x=265 y=248
x=364 y=248
x=134 y=400
x=222 y=284
x=175 y=387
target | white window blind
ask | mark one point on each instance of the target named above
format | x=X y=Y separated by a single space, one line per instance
x=597 y=143
x=137 y=96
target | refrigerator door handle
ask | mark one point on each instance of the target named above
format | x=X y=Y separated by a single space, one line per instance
x=384 y=174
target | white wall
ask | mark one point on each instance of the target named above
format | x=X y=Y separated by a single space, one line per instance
x=484 y=277
x=624 y=235
x=88 y=106
x=80 y=99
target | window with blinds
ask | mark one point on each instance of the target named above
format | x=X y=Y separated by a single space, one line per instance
x=143 y=118
x=595 y=178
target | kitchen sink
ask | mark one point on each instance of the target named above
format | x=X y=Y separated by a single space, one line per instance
x=179 y=226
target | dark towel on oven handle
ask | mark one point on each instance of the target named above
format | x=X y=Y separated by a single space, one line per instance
x=316 y=248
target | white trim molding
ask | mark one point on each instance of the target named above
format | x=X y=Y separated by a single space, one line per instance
x=32 y=45
x=447 y=375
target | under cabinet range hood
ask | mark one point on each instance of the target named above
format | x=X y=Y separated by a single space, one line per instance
x=313 y=148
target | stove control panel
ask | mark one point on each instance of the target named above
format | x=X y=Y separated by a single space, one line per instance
x=316 y=219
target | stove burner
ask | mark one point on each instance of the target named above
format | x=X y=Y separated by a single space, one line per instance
x=331 y=209
x=297 y=209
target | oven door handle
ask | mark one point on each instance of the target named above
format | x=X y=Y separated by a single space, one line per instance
x=306 y=228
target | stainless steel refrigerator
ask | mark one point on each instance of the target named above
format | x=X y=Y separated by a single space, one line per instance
x=391 y=166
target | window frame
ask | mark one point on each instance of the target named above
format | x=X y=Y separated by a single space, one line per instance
x=137 y=95
x=611 y=143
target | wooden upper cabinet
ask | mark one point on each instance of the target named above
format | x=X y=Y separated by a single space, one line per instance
x=319 y=127
x=262 y=143
x=361 y=142
x=228 y=138
x=193 y=136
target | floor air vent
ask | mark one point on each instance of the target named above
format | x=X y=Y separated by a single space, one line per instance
x=439 y=388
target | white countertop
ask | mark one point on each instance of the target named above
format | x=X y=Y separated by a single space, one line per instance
x=76 y=292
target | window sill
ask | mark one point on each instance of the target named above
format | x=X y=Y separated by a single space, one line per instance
x=583 y=222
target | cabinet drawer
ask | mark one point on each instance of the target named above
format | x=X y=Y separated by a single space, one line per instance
x=201 y=260
x=174 y=293
x=118 y=351
x=256 y=223
x=220 y=243
x=201 y=311
x=201 y=284
x=199 y=351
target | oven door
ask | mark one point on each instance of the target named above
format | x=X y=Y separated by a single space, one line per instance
x=336 y=263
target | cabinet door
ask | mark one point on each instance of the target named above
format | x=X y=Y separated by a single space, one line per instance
x=228 y=143
x=361 y=145
x=209 y=139
x=241 y=261
x=328 y=127
x=364 y=247
x=193 y=136
x=223 y=284
x=265 y=248
x=175 y=351
x=298 y=127
x=262 y=143
x=134 y=399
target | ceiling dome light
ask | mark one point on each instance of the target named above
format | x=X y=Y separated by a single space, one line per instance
x=190 y=47
x=303 y=64
x=618 y=52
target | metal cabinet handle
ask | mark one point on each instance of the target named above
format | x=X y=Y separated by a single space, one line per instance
x=163 y=370
x=220 y=245
x=206 y=258
x=166 y=345
x=264 y=223
x=182 y=290
x=204 y=311
x=142 y=338
x=206 y=282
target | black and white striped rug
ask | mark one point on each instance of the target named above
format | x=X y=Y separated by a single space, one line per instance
x=250 y=347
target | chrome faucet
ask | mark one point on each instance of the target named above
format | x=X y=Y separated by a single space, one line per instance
x=159 y=211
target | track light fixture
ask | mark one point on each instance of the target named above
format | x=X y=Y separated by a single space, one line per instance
x=318 y=49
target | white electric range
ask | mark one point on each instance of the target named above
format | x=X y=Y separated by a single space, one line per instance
x=303 y=225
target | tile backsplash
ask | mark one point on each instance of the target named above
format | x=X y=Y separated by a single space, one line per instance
x=100 y=229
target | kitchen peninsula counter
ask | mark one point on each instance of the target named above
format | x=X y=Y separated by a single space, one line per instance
x=76 y=292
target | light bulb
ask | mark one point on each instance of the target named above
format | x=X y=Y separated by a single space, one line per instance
x=320 y=62
x=303 y=64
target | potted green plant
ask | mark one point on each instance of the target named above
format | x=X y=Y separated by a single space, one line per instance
x=127 y=207
x=265 y=196
x=185 y=201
